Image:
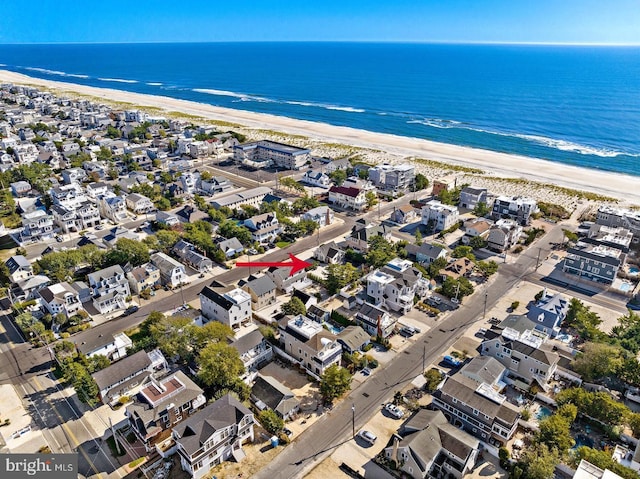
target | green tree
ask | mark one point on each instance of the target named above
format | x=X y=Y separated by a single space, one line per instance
x=334 y=383
x=603 y=460
x=294 y=307
x=113 y=132
x=380 y=252
x=569 y=235
x=584 y=321
x=229 y=229
x=459 y=288
x=212 y=332
x=435 y=267
x=421 y=182
x=340 y=275
x=104 y=154
x=418 y=236
x=487 y=268
x=338 y=176
x=463 y=252
x=270 y=420
x=167 y=239
x=555 y=433
x=433 y=378
x=220 y=368
x=539 y=462
x=127 y=251
x=371 y=199
x=97 y=362
x=481 y=209
x=478 y=242
x=597 y=360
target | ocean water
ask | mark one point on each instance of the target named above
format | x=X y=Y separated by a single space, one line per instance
x=574 y=105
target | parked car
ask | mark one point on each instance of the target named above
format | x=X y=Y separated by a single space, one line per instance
x=287 y=431
x=394 y=410
x=367 y=436
x=99 y=227
x=455 y=300
x=406 y=331
x=59 y=239
x=451 y=361
x=252 y=251
x=366 y=371
x=130 y=310
x=481 y=332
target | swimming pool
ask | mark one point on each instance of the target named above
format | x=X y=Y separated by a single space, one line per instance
x=633 y=270
x=582 y=440
x=333 y=329
x=542 y=413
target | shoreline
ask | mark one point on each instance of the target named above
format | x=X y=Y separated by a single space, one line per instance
x=379 y=146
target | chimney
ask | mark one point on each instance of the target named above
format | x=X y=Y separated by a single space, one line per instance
x=394 y=451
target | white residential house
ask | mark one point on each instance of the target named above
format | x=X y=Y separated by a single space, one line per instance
x=113 y=346
x=60 y=298
x=252 y=197
x=285 y=282
x=96 y=189
x=109 y=288
x=213 y=435
x=517 y=208
x=139 y=204
x=440 y=215
x=348 y=197
x=392 y=177
x=26 y=153
x=231 y=307
x=323 y=215
x=316 y=178
x=503 y=235
x=37 y=226
x=309 y=343
x=19 y=268
x=264 y=228
x=172 y=272
x=69 y=196
x=395 y=285
x=113 y=208
x=375 y=321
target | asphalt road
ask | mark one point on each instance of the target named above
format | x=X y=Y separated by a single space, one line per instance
x=335 y=428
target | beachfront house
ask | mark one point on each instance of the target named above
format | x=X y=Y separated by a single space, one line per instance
x=470 y=197
x=620 y=217
x=517 y=208
x=264 y=153
x=388 y=177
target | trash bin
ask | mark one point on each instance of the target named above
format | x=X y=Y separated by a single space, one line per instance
x=274 y=441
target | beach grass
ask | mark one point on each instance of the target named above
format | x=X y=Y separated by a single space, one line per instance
x=448 y=166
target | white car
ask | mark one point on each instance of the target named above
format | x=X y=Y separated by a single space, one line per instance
x=394 y=410
x=367 y=436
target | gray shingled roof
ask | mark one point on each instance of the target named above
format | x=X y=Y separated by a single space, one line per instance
x=119 y=370
x=195 y=431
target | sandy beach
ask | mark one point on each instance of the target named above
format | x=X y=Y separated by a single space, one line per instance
x=378 y=147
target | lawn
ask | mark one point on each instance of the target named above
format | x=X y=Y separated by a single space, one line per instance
x=282 y=244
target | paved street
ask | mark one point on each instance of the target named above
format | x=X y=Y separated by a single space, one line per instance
x=322 y=438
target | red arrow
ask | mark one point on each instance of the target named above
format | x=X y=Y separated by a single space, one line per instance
x=296 y=264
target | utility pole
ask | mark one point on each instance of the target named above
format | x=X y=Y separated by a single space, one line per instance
x=538 y=259
x=424 y=356
x=484 y=312
x=353 y=420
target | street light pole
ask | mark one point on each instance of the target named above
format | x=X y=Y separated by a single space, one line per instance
x=353 y=420
x=424 y=356
x=484 y=311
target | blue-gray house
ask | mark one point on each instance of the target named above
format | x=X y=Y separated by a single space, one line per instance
x=548 y=313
